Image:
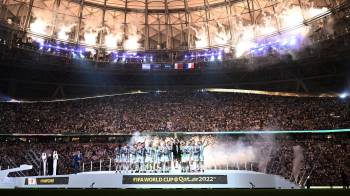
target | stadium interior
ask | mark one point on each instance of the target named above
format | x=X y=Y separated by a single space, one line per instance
x=265 y=84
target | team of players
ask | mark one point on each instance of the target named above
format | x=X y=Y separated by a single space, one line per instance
x=160 y=156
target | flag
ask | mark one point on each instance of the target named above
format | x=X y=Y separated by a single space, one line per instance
x=179 y=66
x=189 y=66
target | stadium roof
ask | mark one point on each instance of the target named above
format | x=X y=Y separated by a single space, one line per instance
x=163 y=5
x=158 y=4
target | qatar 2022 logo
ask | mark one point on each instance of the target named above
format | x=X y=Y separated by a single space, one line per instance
x=175 y=179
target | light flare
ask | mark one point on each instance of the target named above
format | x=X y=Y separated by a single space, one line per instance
x=90 y=37
x=112 y=40
x=63 y=33
x=39 y=26
x=132 y=42
x=202 y=40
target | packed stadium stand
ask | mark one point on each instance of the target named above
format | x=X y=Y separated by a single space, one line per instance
x=324 y=156
x=198 y=111
x=117 y=118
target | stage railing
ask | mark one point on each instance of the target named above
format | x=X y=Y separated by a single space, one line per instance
x=110 y=165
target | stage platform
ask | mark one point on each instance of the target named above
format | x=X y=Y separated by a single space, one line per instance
x=213 y=179
x=174 y=192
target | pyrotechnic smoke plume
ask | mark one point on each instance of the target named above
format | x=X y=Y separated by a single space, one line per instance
x=297 y=161
x=242 y=36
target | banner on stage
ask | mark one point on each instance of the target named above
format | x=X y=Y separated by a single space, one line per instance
x=175 y=179
x=47 y=181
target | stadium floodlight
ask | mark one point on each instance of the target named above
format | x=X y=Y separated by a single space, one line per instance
x=81 y=54
x=220 y=57
x=292 y=41
x=14 y=101
x=212 y=58
x=284 y=42
x=343 y=95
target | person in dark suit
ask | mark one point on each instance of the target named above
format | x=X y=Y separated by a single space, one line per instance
x=41 y=168
x=308 y=182
x=50 y=165
x=345 y=180
x=176 y=153
x=76 y=162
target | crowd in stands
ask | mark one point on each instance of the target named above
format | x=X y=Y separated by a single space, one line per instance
x=322 y=159
x=175 y=111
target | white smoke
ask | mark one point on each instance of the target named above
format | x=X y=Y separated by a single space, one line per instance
x=240 y=153
x=42 y=22
x=224 y=154
x=329 y=26
x=245 y=41
x=90 y=37
x=92 y=25
x=244 y=34
x=136 y=137
x=297 y=161
x=63 y=32
x=39 y=26
x=222 y=36
x=113 y=37
x=266 y=146
x=65 y=23
x=202 y=40
x=287 y=16
x=133 y=37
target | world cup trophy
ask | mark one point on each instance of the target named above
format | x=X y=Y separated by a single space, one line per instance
x=55 y=159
